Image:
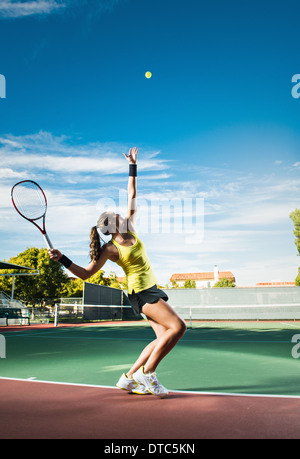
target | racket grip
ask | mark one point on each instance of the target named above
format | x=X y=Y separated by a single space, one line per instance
x=48 y=242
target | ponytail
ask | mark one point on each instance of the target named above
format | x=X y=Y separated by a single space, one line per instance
x=95 y=244
x=102 y=225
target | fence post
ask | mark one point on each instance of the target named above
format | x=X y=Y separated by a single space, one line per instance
x=2 y=347
x=55 y=316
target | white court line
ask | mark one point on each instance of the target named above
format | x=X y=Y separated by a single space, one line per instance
x=229 y=394
x=289 y=324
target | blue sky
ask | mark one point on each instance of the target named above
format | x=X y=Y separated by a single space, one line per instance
x=216 y=122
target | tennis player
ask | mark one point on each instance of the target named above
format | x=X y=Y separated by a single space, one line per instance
x=128 y=251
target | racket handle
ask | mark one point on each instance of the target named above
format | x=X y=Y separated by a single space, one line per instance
x=47 y=240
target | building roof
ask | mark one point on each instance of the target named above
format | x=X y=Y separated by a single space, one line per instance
x=274 y=284
x=202 y=276
x=121 y=279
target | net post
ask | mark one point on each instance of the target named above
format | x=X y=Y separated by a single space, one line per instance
x=191 y=318
x=56 y=315
x=122 y=304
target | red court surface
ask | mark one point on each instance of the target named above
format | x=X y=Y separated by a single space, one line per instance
x=41 y=410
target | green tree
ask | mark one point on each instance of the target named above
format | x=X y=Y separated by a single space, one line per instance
x=297 y=280
x=114 y=283
x=224 y=283
x=99 y=278
x=72 y=288
x=295 y=217
x=189 y=284
x=34 y=289
x=174 y=284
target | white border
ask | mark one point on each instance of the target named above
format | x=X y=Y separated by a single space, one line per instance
x=229 y=394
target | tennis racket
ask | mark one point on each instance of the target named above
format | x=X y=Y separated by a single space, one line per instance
x=30 y=202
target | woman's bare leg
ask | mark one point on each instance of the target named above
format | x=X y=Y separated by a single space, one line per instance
x=171 y=328
x=144 y=356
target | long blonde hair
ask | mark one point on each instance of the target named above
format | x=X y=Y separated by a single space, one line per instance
x=95 y=239
x=95 y=244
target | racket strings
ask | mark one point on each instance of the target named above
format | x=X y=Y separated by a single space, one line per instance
x=29 y=200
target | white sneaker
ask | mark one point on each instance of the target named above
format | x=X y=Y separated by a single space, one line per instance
x=150 y=382
x=141 y=390
x=126 y=384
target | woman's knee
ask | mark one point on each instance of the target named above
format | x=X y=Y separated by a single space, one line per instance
x=164 y=316
x=179 y=326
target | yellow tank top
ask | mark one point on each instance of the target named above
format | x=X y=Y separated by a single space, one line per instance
x=136 y=265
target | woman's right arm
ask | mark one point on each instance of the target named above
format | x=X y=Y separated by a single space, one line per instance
x=132 y=199
x=79 y=271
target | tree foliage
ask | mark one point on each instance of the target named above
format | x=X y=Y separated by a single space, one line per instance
x=174 y=284
x=295 y=217
x=189 y=283
x=47 y=284
x=297 y=280
x=52 y=282
x=224 y=283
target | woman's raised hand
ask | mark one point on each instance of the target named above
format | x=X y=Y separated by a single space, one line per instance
x=131 y=157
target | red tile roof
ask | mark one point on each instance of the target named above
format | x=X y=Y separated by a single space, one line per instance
x=201 y=276
x=273 y=284
x=121 y=279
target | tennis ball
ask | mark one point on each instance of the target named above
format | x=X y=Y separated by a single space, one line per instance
x=148 y=74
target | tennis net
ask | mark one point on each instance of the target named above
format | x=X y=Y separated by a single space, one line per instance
x=92 y=313
x=236 y=304
x=196 y=315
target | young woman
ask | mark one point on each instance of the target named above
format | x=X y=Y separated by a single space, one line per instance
x=127 y=250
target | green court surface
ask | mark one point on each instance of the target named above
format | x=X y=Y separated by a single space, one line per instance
x=248 y=358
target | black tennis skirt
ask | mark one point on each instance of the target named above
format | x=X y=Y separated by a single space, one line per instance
x=149 y=295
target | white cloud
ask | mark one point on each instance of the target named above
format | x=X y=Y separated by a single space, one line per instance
x=16 y=9
x=67 y=164
x=43 y=151
x=246 y=216
x=9 y=173
x=21 y=9
x=256 y=216
x=5 y=199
